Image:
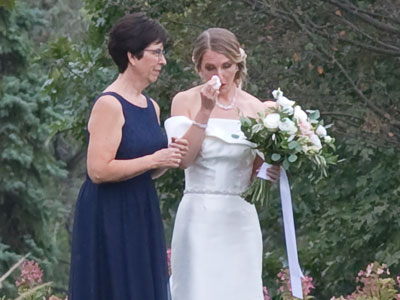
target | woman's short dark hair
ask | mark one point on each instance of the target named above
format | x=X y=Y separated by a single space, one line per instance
x=133 y=33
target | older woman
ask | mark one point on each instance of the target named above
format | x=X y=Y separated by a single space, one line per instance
x=217 y=242
x=118 y=250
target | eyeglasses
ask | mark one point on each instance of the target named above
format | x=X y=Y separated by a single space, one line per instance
x=157 y=52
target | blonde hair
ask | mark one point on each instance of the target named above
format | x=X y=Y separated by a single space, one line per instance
x=222 y=41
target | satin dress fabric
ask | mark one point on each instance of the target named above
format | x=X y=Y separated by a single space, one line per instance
x=216 y=251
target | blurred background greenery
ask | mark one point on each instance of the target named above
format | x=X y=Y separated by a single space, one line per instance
x=339 y=56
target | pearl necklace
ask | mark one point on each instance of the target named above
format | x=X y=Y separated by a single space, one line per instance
x=226 y=107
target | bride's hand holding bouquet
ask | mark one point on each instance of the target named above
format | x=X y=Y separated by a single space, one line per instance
x=287 y=135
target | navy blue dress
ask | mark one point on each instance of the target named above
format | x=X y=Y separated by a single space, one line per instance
x=118 y=247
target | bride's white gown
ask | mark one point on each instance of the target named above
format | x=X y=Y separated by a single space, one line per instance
x=216 y=249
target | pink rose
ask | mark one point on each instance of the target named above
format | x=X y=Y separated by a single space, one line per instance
x=306 y=128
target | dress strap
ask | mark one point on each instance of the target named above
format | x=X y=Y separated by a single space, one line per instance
x=123 y=101
x=114 y=94
x=149 y=102
x=149 y=109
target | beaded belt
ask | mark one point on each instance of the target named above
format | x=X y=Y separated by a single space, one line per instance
x=211 y=192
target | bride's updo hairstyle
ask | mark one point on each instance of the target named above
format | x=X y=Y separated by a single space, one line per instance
x=222 y=41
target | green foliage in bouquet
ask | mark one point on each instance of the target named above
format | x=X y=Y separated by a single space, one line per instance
x=287 y=135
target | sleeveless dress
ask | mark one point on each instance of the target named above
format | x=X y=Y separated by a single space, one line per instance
x=118 y=247
x=216 y=251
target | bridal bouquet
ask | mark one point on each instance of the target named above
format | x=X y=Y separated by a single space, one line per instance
x=287 y=135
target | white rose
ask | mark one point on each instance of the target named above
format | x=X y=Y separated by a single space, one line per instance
x=321 y=131
x=316 y=141
x=285 y=102
x=288 y=110
x=271 y=121
x=300 y=114
x=277 y=93
x=327 y=139
x=288 y=126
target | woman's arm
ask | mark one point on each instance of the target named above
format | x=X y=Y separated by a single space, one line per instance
x=195 y=134
x=183 y=147
x=105 y=128
x=180 y=144
x=158 y=172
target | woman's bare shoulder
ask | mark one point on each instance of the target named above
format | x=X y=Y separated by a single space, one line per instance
x=184 y=102
x=270 y=104
x=255 y=105
x=251 y=101
x=107 y=103
x=107 y=111
x=187 y=94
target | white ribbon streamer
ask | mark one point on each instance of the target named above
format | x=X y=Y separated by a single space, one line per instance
x=290 y=236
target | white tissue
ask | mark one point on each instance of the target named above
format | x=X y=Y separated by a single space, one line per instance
x=216 y=85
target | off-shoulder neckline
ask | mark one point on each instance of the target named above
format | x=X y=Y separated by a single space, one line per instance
x=222 y=119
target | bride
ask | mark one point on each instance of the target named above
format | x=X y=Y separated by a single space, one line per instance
x=216 y=249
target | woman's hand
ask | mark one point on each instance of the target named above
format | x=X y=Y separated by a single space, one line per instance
x=181 y=144
x=274 y=172
x=209 y=94
x=167 y=158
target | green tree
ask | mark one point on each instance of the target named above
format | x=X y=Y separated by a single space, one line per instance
x=32 y=213
x=340 y=57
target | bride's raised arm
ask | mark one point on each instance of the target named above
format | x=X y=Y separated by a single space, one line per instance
x=182 y=105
